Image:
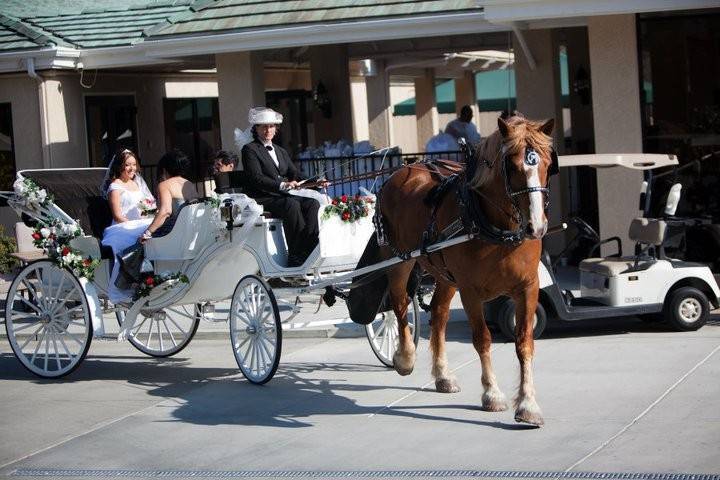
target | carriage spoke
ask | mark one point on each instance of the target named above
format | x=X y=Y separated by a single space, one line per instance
x=26 y=325
x=72 y=336
x=172 y=337
x=42 y=339
x=31 y=337
x=33 y=292
x=178 y=326
x=261 y=358
x=57 y=354
x=238 y=346
x=55 y=298
x=150 y=331
x=65 y=300
x=62 y=342
x=270 y=341
x=162 y=345
x=381 y=328
x=251 y=353
x=267 y=351
x=184 y=314
x=47 y=350
x=31 y=305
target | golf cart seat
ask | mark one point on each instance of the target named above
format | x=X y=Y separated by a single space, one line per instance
x=649 y=232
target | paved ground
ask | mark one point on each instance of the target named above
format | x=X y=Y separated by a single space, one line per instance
x=618 y=396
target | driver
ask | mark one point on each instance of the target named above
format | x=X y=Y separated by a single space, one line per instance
x=270 y=175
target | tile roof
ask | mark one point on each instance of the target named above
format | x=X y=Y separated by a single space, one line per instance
x=85 y=24
x=224 y=15
x=82 y=23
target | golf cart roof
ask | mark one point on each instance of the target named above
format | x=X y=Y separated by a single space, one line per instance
x=636 y=161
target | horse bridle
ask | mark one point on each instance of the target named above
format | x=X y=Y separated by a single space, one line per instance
x=532 y=158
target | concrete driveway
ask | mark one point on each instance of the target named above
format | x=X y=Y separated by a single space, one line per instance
x=619 y=396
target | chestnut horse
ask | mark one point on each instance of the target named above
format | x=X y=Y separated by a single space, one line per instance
x=509 y=181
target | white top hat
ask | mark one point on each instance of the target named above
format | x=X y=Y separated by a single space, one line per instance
x=264 y=116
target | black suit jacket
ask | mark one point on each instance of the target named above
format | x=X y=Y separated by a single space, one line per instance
x=262 y=177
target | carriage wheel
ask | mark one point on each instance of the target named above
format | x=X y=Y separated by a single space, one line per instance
x=384 y=335
x=255 y=329
x=165 y=332
x=47 y=319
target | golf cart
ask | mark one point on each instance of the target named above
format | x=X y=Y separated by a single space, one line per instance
x=648 y=284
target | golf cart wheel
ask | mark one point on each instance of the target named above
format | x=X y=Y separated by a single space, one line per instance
x=506 y=320
x=47 y=319
x=686 y=309
x=165 y=332
x=384 y=335
x=255 y=329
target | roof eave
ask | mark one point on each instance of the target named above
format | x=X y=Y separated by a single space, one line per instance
x=507 y=11
x=45 y=58
x=320 y=34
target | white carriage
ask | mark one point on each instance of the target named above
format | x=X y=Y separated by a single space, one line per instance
x=214 y=253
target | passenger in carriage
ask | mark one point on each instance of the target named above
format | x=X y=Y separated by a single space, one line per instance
x=127 y=193
x=269 y=175
x=173 y=191
x=224 y=162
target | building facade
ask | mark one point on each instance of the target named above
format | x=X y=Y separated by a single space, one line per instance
x=79 y=78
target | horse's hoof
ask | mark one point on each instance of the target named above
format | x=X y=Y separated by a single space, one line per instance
x=446 y=385
x=494 y=405
x=531 y=418
x=403 y=365
x=494 y=401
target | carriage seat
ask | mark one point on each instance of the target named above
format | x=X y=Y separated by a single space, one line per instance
x=193 y=231
x=644 y=231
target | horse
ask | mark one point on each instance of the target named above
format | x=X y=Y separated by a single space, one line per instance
x=506 y=179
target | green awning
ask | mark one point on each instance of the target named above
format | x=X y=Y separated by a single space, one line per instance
x=495 y=92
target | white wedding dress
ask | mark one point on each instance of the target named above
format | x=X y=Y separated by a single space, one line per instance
x=120 y=236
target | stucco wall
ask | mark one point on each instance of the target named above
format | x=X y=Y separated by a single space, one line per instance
x=616 y=117
x=21 y=92
x=66 y=112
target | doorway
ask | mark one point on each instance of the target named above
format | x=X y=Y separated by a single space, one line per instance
x=111 y=124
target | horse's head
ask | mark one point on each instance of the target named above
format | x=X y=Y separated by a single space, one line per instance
x=527 y=160
x=522 y=159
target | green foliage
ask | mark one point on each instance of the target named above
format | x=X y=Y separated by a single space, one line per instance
x=7 y=246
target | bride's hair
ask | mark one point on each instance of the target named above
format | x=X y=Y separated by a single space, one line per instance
x=117 y=162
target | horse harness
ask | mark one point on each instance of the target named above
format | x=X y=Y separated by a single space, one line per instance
x=472 y=219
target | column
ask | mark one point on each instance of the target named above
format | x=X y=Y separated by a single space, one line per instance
x=329 y=65
x=617 y=119
x=465 y=93
x=426 y=111
x=538 y=98
x=240 y=87
x=379 y=107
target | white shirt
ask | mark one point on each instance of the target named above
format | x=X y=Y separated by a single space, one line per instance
x=272 y=153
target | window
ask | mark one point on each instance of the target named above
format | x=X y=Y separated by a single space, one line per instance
x=7 y=152
x=111 y=124
x=192 y=125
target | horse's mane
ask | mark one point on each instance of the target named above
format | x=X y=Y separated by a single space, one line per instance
x=521 y=132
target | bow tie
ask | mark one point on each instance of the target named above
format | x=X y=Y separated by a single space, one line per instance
x=269 y=148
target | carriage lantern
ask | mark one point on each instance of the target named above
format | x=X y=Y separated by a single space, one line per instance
x=228 y=211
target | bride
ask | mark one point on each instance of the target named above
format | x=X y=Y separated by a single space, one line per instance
x=125 y=191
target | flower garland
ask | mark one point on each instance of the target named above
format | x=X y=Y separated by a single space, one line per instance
x=54 y=238
x=152 y=281
x=349 y=209
x=147 y=207
x=31 y=195
x=212 y=202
